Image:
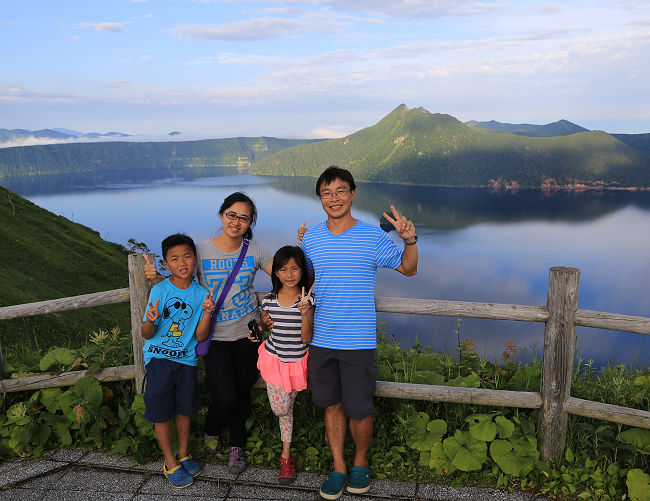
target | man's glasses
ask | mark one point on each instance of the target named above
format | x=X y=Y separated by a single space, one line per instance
x=233 y=215
x=326 y=195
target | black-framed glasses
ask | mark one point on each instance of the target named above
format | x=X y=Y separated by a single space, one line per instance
x=341 y=192
x=233 y=215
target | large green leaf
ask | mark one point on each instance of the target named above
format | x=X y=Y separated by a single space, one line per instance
x=481 y=427
x=512 y=458
x=466 y=453
x=638 y=485
x=82 y=400
x=439 y=462
x=51 y=398
x=61 y=357
x=505 y=427
x=638 y=437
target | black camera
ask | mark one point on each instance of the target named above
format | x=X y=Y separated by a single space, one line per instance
x=254 y=328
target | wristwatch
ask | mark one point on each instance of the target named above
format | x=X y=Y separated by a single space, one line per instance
x=411 y=243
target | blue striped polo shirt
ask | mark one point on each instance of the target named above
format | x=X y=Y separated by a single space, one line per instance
x=345 y=269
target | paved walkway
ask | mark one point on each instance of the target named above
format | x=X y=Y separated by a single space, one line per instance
x=76 y=475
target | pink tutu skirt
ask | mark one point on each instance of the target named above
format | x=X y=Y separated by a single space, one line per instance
x=290 y=375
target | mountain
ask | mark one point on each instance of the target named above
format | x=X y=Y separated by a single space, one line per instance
x=45 y=256
x=559 y=128
x=87 y=157
x=414 y=146
x=58 y=133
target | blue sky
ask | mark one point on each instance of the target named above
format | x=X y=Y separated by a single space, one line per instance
x=320 y=68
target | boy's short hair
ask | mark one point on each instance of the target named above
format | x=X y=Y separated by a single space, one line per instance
x=174 y=240
x=332 y=173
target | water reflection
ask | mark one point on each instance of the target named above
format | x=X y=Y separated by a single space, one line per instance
x=475 y=245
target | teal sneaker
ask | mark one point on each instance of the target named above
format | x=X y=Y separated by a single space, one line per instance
x=359 y=480
x=333 y=487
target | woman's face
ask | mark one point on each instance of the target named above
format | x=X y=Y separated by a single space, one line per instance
x=236 y=219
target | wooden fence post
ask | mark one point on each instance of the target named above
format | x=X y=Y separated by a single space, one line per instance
x=557 y=364
x=139 y=288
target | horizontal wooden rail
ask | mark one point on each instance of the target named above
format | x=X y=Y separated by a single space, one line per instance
x=30 y=383
x=608 y=412
x=612 y=321
x=65 y=304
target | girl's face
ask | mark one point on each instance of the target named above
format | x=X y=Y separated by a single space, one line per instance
x=289 y=273
x=236 y=219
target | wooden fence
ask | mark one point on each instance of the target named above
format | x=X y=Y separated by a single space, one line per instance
x=561 y=316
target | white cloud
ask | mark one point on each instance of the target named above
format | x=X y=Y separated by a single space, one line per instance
x=103 y=27
x=253 y=29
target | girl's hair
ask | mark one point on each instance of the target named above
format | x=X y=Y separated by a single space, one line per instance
x=238 y=196
x=281 y=258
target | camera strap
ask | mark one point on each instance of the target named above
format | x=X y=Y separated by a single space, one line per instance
x=203 y=346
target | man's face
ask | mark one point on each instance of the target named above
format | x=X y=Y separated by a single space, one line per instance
x=336 y=198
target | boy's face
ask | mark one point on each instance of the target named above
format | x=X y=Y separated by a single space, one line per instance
x=181 y=261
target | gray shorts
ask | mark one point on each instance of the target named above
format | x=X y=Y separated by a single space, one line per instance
x=348 y=377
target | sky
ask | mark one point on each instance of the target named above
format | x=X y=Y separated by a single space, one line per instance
x=320 y=68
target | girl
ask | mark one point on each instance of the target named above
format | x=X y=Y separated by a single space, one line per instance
x=283 y=356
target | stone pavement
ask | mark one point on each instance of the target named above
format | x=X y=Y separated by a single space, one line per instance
x=76 y=475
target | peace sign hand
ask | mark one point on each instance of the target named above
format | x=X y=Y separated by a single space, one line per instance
x=303 y=304
x=152 y=313
x=404 y=227
x=209 y=305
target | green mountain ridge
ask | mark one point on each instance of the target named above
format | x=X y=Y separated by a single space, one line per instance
x=414 y=146
x=45 y=256
x=82 y=157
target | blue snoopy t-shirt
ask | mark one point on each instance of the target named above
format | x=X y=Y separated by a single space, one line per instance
x=180 y=312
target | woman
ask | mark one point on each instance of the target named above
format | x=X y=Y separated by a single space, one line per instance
x=231 y=362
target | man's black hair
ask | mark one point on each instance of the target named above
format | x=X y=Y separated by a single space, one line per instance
x=174 y=240
x=333 y=173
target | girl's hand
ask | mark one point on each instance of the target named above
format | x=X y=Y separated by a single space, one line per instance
x=303 y=303
x=404 y=227
x=152 y=313
x=266 y=322
x=209 y=305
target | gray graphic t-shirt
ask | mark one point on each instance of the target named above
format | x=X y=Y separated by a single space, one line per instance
x=241 y=304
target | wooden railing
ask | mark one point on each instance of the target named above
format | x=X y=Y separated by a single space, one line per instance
x=561 y=316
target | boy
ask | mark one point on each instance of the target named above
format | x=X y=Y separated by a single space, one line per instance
x=170 y=356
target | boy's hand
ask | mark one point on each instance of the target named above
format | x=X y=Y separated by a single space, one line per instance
x=209 y=305
x=303 y=304
x=265 y=321
x=152 y=313
x=404 y=227
x=149 y=268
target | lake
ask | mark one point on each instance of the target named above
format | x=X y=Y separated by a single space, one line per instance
x=474 y=244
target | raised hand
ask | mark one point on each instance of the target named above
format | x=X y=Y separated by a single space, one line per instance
x=404 y=227
x=209 y=305
x=303 y=304
x=152 y=313
x=149 y=268
x=301 y=232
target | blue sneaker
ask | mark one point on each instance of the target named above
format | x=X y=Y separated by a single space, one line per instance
x=359 y=480
x=190 y=465
x=178 y=477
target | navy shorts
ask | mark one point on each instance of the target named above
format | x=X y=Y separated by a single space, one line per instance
x=172 y=388
x=348 y=377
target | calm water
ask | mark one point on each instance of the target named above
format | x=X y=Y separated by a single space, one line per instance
x=474 y=245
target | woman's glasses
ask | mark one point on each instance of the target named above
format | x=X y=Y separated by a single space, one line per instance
x=233 y=215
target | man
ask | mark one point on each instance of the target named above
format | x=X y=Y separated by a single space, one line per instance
x=343 y=254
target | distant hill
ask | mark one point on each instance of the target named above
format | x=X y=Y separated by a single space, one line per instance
x=7 y=135
x=45 y=256
x=414 y=146
x=559 y=128
x=87 y=157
